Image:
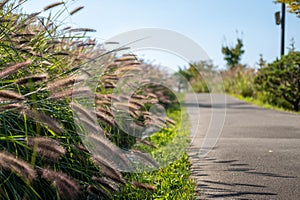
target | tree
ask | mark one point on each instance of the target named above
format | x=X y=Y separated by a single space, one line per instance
x=232 y=55
x=282 y=79
x=201 y=72
x=262 y=62
x=294 y=6
x=183 y=77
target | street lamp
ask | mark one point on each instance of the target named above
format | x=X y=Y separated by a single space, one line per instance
x=282 y=28
x=280 y=20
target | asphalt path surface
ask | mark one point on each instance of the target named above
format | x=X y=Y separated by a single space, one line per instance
x=256 y=156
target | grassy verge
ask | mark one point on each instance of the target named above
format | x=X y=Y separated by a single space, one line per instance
x=172 y=181
x=259 y=103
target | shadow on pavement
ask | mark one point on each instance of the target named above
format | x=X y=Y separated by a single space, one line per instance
x=238 y=194
x=214 y=189
x=235 y=105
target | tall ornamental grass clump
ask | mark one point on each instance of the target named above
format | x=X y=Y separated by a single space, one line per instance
x=239 y=81
x=42 y=156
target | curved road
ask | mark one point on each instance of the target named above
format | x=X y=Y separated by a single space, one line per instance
x=257 y=155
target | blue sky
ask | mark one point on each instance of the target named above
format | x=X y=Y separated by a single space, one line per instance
x=209 y=23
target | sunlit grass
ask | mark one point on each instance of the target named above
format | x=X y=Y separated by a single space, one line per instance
x=259 y=103
x=173 y=180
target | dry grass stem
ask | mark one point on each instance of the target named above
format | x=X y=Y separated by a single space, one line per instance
x=90 y=126
x=125 y=106
x=132 y=64
x=61 y=83
x=107 y=183
x=76 y=10
x=61 y=53
x=67 y=28
x=139 y=104
x=33 y=79
x=107 y=149
x=47 y=147
x=128 y=68
x=68 y=93
x=104 y=110
x=22 y=168
x=53 y=5
x=86 y=113
x=7 y=94
x=82 y=30
x=103 y=102
x=13 y=68
x=108 y=169
x=104 y=118
x=7 y=107
x=143 y=185
x=126 y=58
x=68 y=188
x=146 y=158
x=139 y=97
x=43 y=119
x=170 y=121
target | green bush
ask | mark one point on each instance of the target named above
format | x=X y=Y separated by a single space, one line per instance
x=280 y=81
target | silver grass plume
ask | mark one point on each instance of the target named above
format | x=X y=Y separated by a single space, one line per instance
x=53 y=5
x=107 y=183
x=61 y=83
x=83 y=111
x=18 y=166
x=69 y=93
x=108 y=169
x=11 y=106
x=7 y=94
x=76 y=10
x=13 y=68
x=67 y=188
x=46 y=147
x=143 y=185
x=104 y=148
x=33 y=79
x=43 y=119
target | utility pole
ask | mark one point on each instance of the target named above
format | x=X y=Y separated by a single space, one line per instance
x=282 y=28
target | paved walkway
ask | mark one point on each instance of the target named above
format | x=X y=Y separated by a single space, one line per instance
x=256 y=157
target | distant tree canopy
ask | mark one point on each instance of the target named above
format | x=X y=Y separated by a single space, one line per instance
x=232 y=55
x=294 y=6
x=200 y=72
x=183 y=77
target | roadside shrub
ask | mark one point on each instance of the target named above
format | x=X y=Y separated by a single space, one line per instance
x=280 y=80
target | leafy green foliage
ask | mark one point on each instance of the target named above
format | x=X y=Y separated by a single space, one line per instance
x=281 y=79
x=232 y=55
x=294 y=6
x=183 y=77
x=197 y=74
